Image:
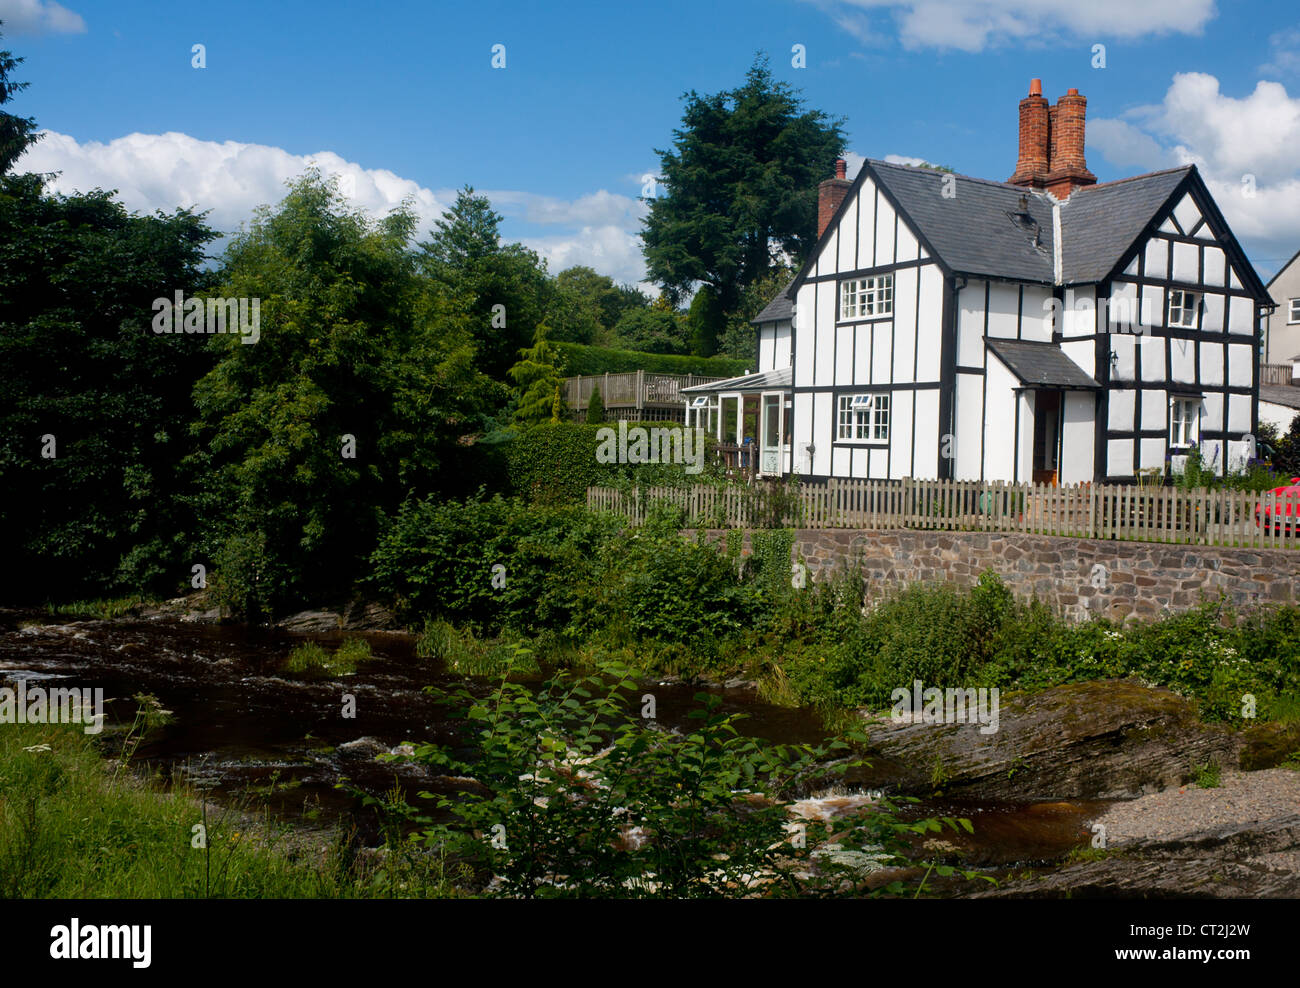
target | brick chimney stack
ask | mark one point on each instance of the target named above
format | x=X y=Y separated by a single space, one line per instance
x=1051 y=143
x=830 y=194
x=1031 y=165
x=1067 y=169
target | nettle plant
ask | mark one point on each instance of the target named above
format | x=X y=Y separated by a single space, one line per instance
x=581 y=796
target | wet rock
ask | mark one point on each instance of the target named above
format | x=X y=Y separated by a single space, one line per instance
x=195 y=608
x=1256 y=859
x=362 y=748
x=1099 y=740
x=368 y=616
x=312 y=621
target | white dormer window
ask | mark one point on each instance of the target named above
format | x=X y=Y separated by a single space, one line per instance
x=1293 y=311
x=1182 y=308
x=863 y=298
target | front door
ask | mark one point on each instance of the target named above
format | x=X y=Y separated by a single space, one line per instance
x=1047 y=436
x=773 y=447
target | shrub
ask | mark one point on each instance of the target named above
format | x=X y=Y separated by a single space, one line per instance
x=582 y=798
x=595 y=407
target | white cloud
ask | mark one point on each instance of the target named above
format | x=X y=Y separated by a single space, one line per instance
x=39 y=17
x=973 y=25
x=166 y=171
x=610 y=250
x=1237 y=144
x=1123 y=144
x=231 y=179
x=1284 y=57
x=902 y=159
x=598 y=208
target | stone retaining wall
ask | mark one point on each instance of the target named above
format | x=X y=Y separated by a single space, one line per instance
x=1077 y=577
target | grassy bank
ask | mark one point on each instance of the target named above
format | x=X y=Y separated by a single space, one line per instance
x=75 y=825
x=498 y=584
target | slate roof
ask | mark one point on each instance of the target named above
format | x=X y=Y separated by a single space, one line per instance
x=781 y=307
x=763 y=381
x=979 y=229
x=974 y=231
x=1041 y=364
x=1280 y=394
x=1100 y=222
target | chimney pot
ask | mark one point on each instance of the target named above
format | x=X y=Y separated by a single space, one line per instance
x=1072 y=92
x=1035 y=87
x=841 y=168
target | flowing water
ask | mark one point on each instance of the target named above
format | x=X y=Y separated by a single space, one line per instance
x=243 y=729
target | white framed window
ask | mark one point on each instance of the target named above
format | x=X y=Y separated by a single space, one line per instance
x=863 y=298
x=1293 y=311
x=863 y=418
x=1182 y=421
x=1182 y=308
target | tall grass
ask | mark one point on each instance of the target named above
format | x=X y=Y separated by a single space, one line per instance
x=72 y=827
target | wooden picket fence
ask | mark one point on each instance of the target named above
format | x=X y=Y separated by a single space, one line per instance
x=1093 y=511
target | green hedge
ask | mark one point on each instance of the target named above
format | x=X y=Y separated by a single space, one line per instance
x=554 y=464
x=577 y=358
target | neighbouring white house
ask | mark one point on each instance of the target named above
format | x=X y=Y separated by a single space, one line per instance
x=1282 y=325
x=1279 y=404
x=1045 y=329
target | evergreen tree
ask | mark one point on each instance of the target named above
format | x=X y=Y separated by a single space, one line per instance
x=740 y=188
x=595 y=407
x=17 y=134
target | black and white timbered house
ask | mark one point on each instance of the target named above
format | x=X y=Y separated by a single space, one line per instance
x=1046 y=329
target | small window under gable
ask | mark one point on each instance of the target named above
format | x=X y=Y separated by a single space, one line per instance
x=865 y=298
x=1293 y=310
x=1182 y=308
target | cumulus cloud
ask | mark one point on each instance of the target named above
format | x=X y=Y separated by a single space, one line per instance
x=596 y=209
x=974 y=25
x=166 y=171
x=1243 y=147
x=231 y=179
x=610 y=250
x=39 y=17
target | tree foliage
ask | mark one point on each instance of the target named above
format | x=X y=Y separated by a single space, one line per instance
x=93 y=509
x=505 y=285
x=360 y=389
x=740 y=187
x=17 y=134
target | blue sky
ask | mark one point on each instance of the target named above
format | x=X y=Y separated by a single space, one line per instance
x=401 y=98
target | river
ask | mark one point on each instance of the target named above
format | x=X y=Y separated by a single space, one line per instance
x=243 y=730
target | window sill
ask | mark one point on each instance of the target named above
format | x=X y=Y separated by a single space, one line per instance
x=868 y=319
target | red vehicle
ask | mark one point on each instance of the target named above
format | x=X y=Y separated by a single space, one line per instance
x=1281 y=509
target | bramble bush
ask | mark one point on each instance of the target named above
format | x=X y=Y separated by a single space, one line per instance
x=579 y=797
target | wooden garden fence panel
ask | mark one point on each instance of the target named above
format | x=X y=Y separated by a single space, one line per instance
x=1098 y=511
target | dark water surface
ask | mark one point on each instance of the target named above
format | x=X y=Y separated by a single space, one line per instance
x=247 y=731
